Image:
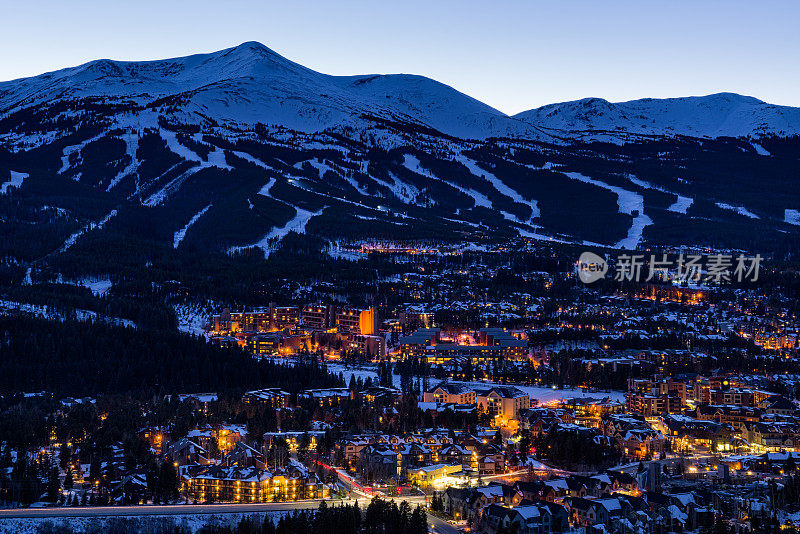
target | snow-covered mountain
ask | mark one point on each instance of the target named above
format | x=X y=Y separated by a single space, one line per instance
x=232 y=152
x=250 y=83
x=719 y=115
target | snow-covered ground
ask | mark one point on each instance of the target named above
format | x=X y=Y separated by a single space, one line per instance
x=681 y=205
x=363 y=372
x=173 y=185
x=628 y=202
x=42 y=310
x=15 y=181
x=229 y=85
x=192 y=318
x=335 y=250
x=741 y=210
x=150 y=523
x=545 y=394
x=216 y=158
x=760 y=150
x=402 y=190
x=721 y=114
x=74 y=149
x=98 y=287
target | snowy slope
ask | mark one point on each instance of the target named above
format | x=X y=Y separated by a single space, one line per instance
x=723 y=114
x=250 y=83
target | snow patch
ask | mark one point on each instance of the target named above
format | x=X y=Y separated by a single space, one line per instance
x=192 y=318
x=98 y=287
x=791 y=216
x=216 y=158
x=741 y=210
x=69 y=150
x=159 y=196
x=400 y=189
x=760 y=150
x=16 y=181
x=42 y=310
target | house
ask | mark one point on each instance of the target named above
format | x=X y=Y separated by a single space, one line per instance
x=379 y=461
x=429 y=475
x=185 y=451
x=456 y=502
x=244 y=455
x=456 y=454
x=492 y=518
x=130 y=489
x=325 y=397
x=537 y=518
x=448 y=393
x=640 y=444
x=203 y=437
x=413 y=455
x=491 y=461
x=772 y=436
x=199 y=401
x=588 y=512
x=779 y=405
x=503 y=402
x=239 y=484
x=272 y=397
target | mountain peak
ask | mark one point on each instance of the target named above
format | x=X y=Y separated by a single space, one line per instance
x=719 y=114
x=249 y=49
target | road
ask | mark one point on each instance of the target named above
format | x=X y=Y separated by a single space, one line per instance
x=182 y=509
x=175 y=509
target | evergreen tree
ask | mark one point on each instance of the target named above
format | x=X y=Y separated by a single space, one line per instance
x=53 y=485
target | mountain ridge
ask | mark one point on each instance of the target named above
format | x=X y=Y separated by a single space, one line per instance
x=300 y=98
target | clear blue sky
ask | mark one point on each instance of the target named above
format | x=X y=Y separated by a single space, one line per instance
x=512 y=54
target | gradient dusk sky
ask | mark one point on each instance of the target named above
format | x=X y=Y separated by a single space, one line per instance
x=512 y=54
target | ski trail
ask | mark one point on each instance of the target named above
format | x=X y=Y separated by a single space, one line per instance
x=69 y=150
x=498 y=184
x=180 y=234
x=89 y=227
x=628 y=202
x=270 y=241
x=131 y=146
